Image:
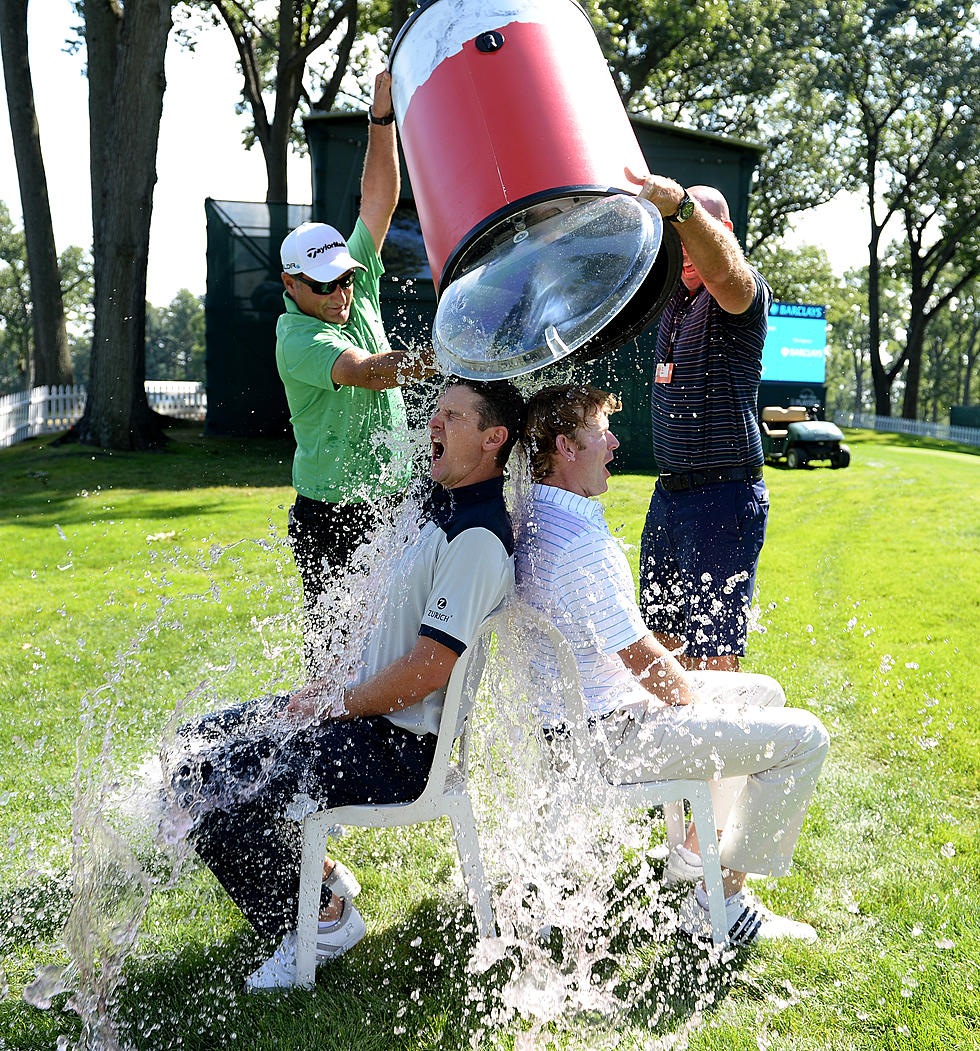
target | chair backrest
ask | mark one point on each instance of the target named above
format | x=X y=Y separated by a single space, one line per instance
x=568 y=685
x=461 y=690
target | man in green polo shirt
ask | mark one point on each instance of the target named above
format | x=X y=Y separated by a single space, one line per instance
x=342 y=378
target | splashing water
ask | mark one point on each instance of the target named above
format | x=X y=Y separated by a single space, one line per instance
x=130 y=826
x=587 y=931
x=585 y=922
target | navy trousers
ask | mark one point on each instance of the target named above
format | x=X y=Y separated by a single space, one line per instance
x=323 y=537
x=251 y=846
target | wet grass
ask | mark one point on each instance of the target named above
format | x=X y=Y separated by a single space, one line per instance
x=127 y=583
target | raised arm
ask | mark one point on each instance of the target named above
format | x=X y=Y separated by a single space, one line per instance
x=658 y=671
x=392 y=368
x=380 y=180
x=708 y=240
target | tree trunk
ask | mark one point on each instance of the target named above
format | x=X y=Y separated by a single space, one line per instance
x=857 y=362
x=970 y=355
x=879 y=375
x=913 y=372
x=52 y=361
x=126 y=66
x=275 y=149
x=102 y=30
x=289 y=84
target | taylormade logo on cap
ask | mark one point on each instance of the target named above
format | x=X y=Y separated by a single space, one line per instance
x=317 y=250
x=312 y=253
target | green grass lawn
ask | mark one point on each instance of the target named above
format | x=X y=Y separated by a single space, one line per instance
x=135 y=581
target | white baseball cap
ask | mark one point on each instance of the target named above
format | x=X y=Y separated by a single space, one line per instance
x=317 y=250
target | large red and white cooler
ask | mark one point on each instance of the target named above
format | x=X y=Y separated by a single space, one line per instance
x=516 y=144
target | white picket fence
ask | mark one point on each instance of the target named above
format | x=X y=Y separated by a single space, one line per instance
x=895 y=424
x=45 y=410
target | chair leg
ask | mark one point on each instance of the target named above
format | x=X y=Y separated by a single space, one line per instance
x=702 y=810
x=468 y=846
x=308 y=907
x=674 y=817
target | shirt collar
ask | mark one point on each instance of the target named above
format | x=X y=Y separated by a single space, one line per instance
x=441 y=502
x=583 y=506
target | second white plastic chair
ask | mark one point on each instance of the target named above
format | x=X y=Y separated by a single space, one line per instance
x=668 y=794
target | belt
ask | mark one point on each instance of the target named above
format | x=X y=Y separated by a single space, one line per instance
x=675 y=482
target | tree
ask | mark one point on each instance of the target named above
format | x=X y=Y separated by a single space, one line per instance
x=847 y=344
x=17 y=304
x=950 y=352
x=798 y=275
x=50 y=363
x=76 y=282
x=15 y=308
x=907 y=73
x=276 y=44
x=126 y=45
x=175 y=339
x=966 y=334
x=742 y=69
x=273 y=51
x=941 y=247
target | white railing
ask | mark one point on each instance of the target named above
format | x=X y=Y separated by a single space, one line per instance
x=187 y=400
x=45 y=410
x=895 y=424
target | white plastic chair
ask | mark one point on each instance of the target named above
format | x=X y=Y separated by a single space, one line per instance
x=444 y=795
x=668 y=794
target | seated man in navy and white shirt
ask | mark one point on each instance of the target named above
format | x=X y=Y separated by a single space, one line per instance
x=375 y=744
x=658 y=721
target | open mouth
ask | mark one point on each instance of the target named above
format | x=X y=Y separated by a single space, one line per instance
x=437 y=450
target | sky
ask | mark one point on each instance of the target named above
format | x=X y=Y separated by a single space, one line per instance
x=201 y=155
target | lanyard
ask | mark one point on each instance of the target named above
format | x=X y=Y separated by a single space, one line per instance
x=665 y=369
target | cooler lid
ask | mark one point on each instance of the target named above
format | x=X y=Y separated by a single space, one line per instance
x=539 y=295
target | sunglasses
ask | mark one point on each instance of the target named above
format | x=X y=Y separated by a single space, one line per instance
x=324 y=288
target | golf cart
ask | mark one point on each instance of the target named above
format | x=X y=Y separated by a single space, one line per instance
x=800 y=436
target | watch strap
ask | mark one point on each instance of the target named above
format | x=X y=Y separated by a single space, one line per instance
x=380 y=120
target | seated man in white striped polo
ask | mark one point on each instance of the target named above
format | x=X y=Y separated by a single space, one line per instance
x=658 y=721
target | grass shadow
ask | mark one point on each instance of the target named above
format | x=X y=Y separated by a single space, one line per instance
x=42 y=470
x=409 y=986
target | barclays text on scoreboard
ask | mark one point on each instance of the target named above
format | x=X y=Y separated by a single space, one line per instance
x=795 y=350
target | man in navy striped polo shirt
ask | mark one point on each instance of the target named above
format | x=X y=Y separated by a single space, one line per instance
x=707 y=519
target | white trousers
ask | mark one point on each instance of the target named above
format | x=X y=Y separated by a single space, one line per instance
x=762 y=759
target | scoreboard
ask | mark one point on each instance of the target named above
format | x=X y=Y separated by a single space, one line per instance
x=795 y=350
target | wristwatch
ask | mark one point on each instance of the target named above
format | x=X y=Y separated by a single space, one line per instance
x=380 y=120
x=684 y=210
